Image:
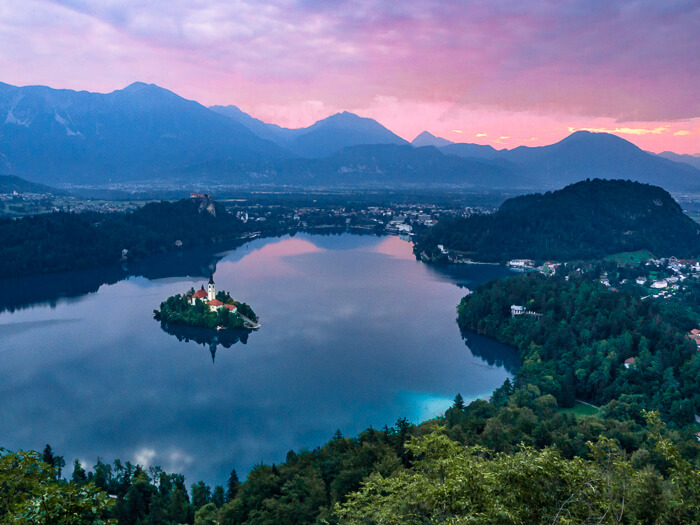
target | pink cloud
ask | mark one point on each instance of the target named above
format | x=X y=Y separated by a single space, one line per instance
x=412 y=65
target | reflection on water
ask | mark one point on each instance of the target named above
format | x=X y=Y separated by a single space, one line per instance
x=494 y=353
x=206 y=337
x=23 y=292
x=356 y=332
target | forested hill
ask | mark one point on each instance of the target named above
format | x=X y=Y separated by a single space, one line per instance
x=10 y=183
x=65 y=241
x=586 y=220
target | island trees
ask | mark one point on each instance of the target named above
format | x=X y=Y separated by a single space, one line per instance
x=178 y=310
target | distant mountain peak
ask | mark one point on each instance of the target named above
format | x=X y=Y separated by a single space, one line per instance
x=344 y=117
x=137 y=86
x=428 y=139
x=142 y=88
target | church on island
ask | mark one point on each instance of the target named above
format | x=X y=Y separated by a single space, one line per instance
x=209 y=297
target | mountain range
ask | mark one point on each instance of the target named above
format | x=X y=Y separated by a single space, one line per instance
x=145 y=133
x=323 y=138
x=138 y=133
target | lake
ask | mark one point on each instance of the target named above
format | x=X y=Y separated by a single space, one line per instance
x=355 y=333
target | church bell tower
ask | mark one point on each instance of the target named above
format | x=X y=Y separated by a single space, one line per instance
x=211 y=291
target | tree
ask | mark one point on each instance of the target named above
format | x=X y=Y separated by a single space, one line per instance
x=201 y=495
x=79 y=476
x=218 y=498
x=232 y=486
x=47 y=456
x=207 y=515
x=30 y=494
x=179 y=501
x=458 y=402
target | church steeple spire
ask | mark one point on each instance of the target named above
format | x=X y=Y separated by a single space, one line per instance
x=211 y=291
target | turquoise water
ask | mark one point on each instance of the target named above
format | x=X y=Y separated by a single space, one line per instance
x=355 y=332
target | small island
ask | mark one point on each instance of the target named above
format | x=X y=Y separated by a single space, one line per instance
x=207 y=309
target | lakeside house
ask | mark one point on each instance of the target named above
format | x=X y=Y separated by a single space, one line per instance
x=521 y=263
x=517 y=310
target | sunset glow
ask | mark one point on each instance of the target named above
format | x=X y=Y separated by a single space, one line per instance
x=466 y=71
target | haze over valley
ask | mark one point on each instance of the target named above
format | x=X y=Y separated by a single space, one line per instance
x=146 y=134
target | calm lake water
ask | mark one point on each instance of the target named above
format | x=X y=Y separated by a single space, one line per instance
x=355 y=332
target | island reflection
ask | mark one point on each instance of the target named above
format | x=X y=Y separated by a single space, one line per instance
x=206 y=336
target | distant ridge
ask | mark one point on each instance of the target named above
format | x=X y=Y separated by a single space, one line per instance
x=10 y=183
x=586 y=220
x=322 y=139
x=428 y=139
x=141 y=132
x=339 y=131
x=584 y=155
x=145 y=133
x=477 y=151
x=693 y=160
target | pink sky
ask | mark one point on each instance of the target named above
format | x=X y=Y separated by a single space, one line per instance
x=503 y=73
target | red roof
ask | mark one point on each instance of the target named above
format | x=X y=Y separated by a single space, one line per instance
x=629 y=361
x=215 y=302
x=200 y=294
x=695 y=331
x=231 y=307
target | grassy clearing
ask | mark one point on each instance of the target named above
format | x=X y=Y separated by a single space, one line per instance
x=582 y=409
x=630 y=258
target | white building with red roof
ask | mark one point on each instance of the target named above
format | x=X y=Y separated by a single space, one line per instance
x=215 y=305
x=199 y=294
x=209 y=297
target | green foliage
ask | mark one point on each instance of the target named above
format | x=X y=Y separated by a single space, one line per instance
x=177 y=310
x=65 y=241
x=450 y=483
x=577 y=348
x=586 y=220
x=29 y=493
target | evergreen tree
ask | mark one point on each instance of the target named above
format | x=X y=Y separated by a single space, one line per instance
x=201 y=495
x=232 y=486
x=218 y=497
x=48 y=457
x=79 y=476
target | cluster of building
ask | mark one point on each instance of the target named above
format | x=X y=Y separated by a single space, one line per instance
x=209 y=297
x=21 y=203
x=395 y=218
x=666 y=277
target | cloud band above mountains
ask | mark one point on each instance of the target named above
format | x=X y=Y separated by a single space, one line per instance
x=626 y=61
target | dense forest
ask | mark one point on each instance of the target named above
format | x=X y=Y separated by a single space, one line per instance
x=576 y=345
x=66 y=241
x=515 y=459
x=586 y=220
